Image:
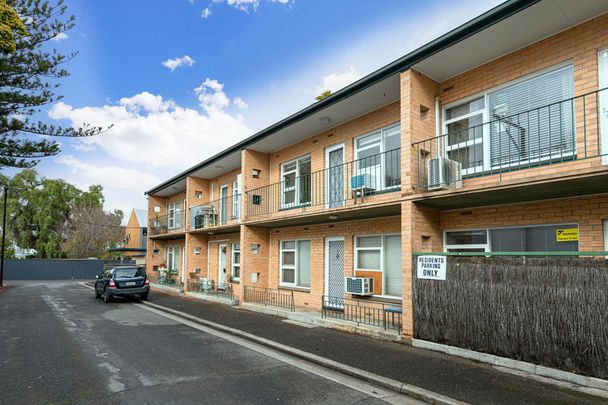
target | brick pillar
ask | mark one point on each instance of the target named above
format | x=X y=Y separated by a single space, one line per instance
x=254 y=263
x=420 y=232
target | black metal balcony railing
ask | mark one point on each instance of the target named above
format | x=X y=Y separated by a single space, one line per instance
x=270 y=297
x=170 y=279
x=224 y=211
x=219 y=290
x=363 y=312
x=167 y=223
x=554 y=133
x=331 y=187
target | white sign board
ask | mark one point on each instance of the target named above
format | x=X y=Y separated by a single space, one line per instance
x=432 y=267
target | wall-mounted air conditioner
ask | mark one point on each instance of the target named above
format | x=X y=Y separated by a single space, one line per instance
x=359 y=285
x=444 y=173
x=364 y=181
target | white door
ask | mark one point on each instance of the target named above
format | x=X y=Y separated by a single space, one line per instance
x=603 y=73
x=183 y=265
x=221 y=277
x=334 y=272
x=334 y=162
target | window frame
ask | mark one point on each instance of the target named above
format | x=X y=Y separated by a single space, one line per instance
x=233 y=263
x=293 y=267
x=485 y=138
x=173 y=210
x=382 y=269
x=381 y=131
x=296 y=186
x=488 y=245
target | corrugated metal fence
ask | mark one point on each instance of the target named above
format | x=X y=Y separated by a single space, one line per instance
x=56 y=269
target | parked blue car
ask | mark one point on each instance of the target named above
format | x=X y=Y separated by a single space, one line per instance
x=122 y=281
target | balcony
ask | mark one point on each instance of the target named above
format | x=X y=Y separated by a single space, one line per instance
x=566 y=133
x=218 y=213
x=167 y=224
x=347 y=184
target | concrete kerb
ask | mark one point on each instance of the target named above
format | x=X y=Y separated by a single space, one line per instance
x=504 y=362
x=390 y=384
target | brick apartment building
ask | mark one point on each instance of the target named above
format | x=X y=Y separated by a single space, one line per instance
x=493 y=137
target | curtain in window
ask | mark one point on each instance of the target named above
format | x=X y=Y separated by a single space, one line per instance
x=392 y=265
x=304 y=263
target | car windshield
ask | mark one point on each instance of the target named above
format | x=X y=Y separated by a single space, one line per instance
x=129 y=272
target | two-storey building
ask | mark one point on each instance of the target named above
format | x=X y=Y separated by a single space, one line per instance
x=493 y=137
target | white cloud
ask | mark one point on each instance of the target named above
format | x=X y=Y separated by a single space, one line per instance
x=119 y=177
x=158 y=134
x=62 y=36
x=251 y=5
x=206 y=13
x=177 y=62
x=83 y=147
x=211 y=96
x=335 y=81
x=240 y=103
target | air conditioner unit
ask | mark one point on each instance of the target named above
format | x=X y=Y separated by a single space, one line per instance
x=444 y=173
x=363 y=182
x=359 y=285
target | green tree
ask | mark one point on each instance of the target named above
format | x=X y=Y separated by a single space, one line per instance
x=10 y=24
x=323 y=95
x=39 y=209
x=29 y=76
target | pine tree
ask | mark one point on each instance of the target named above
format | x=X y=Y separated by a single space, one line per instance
x=29 y=76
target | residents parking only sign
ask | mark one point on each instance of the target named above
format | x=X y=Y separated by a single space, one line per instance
x=432 y=267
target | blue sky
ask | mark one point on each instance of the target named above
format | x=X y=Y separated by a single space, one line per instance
x=182 y=79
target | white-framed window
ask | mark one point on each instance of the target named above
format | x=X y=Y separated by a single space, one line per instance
x=236 y=262
x=173 y=257
x=296 y=182
x=381 y=253
x=236 y=197
x=174 y=216
x=378 y=159
x=295 y=263
x=531 y=238
x=524 y=122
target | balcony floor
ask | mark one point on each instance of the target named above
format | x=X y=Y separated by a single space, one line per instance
x=347 y=213
x=530 y=190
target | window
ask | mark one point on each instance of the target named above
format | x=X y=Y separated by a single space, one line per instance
x=197 y=251
x=381 y=253
x=173 y=257
x=174 y=215
x=236 y=261
x=236 y=197
x=378 y=158
x=526 y=122
x=295 y=263
x=295 y=183
x=541 y=238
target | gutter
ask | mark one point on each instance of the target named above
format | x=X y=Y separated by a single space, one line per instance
x=468 y=29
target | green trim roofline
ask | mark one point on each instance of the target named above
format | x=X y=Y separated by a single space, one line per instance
x=481 y=254
x=478 y=24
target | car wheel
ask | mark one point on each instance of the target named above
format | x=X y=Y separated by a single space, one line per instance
x=144 y=297
x=106 y=297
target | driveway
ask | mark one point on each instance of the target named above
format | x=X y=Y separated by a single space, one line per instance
x=61 y=345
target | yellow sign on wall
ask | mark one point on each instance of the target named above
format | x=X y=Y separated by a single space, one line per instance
x=566 y=235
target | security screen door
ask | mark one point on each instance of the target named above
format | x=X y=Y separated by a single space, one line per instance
x=335 y=177
x=334 y=273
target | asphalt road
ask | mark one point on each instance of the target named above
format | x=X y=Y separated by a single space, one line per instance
x=58 y=344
